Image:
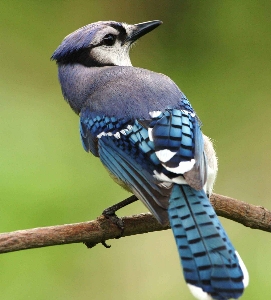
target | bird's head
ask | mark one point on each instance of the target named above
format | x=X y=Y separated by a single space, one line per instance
x=104 y=43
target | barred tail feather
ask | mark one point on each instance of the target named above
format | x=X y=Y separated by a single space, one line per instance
x=211 y=266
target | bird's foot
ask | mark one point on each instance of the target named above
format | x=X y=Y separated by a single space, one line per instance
x=110 y=213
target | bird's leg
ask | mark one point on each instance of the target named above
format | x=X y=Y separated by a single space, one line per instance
x=110 y=212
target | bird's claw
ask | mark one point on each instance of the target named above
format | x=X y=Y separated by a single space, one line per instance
x=105 y=245
x=111 y=215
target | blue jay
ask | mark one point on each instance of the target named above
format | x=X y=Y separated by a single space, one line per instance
x=147 y=135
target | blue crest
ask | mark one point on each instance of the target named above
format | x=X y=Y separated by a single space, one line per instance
x=80 y=39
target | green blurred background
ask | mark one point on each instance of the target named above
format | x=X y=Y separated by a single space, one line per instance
x=218 y=52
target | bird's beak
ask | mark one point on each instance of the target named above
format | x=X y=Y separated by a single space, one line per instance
x=138 y=30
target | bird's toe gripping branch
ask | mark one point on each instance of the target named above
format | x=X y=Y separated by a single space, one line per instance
x=110 y=213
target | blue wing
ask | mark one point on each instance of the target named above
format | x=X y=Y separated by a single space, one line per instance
x=156 y=159
x=128 y=154
x=178 y=143
x=92 y=125
x=125 y=149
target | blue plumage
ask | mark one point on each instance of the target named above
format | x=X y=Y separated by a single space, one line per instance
x=208 y=257
x=146 y=133
x=174 y=131
x=80 y=40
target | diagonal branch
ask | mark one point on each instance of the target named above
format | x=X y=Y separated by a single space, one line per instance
x=101 y=229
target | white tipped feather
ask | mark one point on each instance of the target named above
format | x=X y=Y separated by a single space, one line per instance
x=179 y=180
x=165 y=155
x=182 y=168
x=162 y=177
x=198 y=293
x=244 y=270
x=117 y=135
x=101 y=134
x=155 y=113
x=150 y=134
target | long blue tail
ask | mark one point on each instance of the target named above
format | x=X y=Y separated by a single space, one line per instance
x=210 y=263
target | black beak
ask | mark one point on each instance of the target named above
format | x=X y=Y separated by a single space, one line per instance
x=141 y=29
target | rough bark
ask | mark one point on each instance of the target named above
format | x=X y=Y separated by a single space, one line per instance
x=102 y=229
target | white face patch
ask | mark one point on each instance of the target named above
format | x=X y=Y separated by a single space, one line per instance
x=117 y=55
x=198 y=293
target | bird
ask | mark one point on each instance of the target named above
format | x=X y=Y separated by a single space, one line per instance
x=149 y=138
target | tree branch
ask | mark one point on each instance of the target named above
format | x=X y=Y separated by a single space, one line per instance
x=102 y=229
x=255 y=217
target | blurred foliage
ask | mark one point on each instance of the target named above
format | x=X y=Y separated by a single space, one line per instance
x=218 y=52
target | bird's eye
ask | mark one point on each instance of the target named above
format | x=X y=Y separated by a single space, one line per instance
x=109 y=40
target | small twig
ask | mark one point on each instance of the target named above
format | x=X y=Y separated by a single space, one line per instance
x=101 y=229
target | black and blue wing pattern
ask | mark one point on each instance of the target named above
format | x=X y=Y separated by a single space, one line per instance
x=154 y=159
